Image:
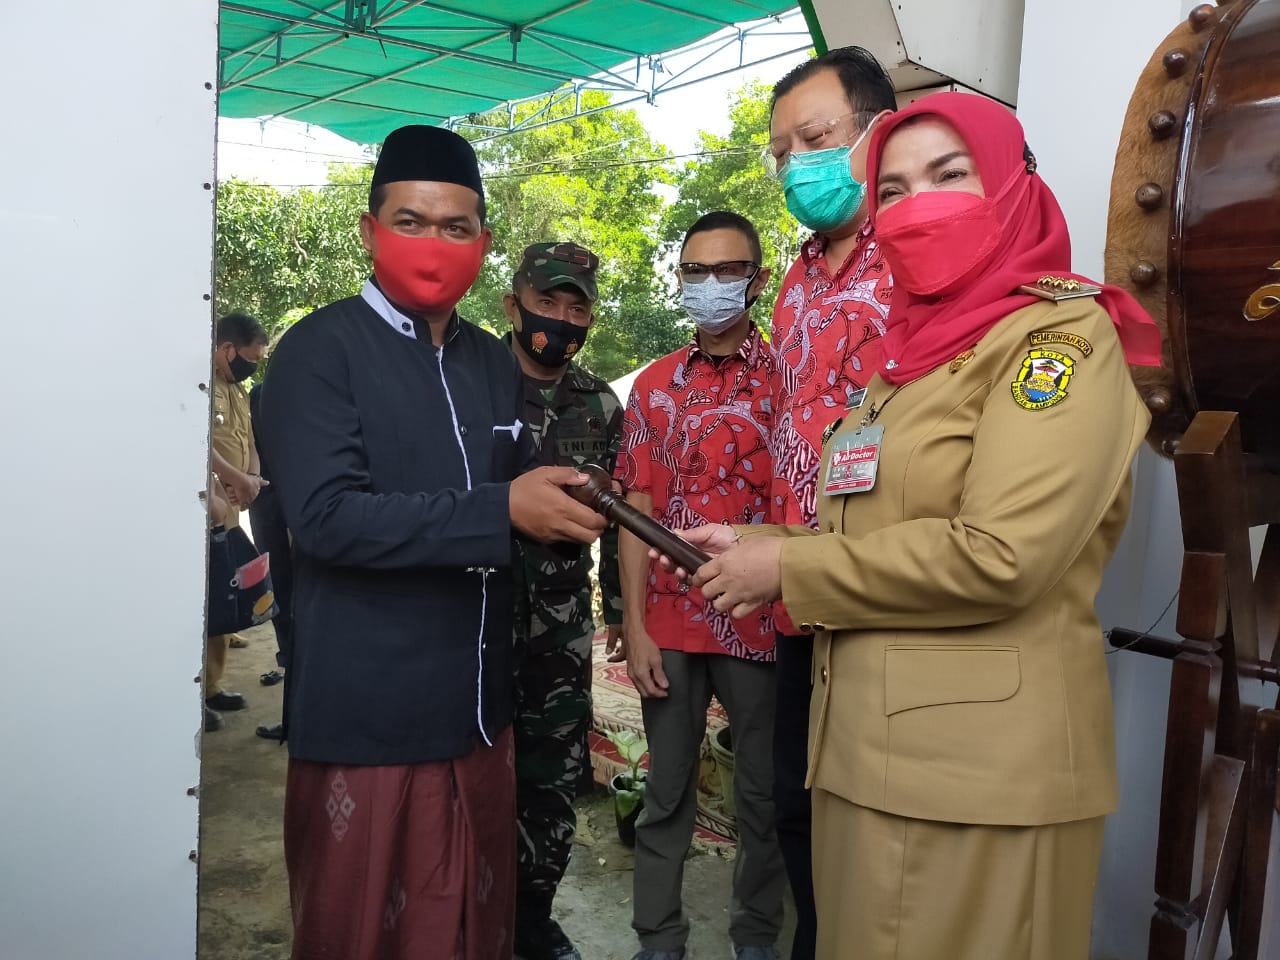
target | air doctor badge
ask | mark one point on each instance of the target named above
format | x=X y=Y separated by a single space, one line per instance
x=854 y=462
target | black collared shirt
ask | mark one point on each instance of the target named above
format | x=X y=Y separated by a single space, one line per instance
x=393 y=459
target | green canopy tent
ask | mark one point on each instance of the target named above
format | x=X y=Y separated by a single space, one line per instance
x=362 y=67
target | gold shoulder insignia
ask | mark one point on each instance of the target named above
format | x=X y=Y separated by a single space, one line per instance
x=1060 y=288
x=1041 y=337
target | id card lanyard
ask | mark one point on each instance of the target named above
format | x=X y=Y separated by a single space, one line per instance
x=855 y=459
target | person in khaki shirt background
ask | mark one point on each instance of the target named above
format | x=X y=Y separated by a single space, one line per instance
x=239 y=344
x=962 y=750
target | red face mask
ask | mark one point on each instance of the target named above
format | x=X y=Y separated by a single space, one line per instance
x=424 y=274
x=935 y=240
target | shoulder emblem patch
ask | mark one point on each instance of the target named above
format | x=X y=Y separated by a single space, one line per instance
x=1042 y=380
x=1041 y=337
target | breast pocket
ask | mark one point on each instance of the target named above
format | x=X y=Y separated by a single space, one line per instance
x=503 y=457
x=221 y=414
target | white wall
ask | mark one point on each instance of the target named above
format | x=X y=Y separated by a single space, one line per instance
x=105 y=258
x=1073 y=110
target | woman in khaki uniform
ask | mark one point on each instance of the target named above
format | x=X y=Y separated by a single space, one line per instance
x=962 y=752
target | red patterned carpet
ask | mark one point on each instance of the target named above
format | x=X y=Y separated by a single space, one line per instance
x=617 y=707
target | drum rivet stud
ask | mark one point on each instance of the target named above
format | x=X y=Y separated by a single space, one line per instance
x=1175 y=62
x=1161 y=124
x=1149 y=196
x=1144 y=273
x=1202 y=16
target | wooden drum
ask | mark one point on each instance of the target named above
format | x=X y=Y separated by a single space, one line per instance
x=1194 y=224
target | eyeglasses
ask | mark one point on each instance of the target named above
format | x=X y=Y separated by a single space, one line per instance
x=815 y=135
x=729 y=270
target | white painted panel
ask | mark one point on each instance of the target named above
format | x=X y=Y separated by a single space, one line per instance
x=977 y=44
x=105 y=255
x=867 y=23
x=871 y=24
x=923 y=42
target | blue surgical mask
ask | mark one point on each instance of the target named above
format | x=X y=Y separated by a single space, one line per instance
x=820 y=189
x=715 y=305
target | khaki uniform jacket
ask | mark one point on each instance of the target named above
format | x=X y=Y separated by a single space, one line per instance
x=232 y=434
x=958 y=661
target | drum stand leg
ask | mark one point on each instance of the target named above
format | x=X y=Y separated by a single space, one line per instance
x=1219 y=792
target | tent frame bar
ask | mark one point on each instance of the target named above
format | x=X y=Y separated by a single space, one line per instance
x=364 y=18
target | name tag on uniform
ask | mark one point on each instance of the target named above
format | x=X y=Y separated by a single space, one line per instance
x=856 y=399
x=854 y=462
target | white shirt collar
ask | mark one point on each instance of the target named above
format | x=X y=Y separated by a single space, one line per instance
x=382 y=307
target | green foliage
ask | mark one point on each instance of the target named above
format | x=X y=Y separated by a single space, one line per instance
x=281 y=254
x=733 y=178
x=591 y=180
x=598 y=180
x=626 y=801
x=631 y=747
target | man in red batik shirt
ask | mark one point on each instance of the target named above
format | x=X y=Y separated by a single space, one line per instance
x=695 y=450
x=827 y=324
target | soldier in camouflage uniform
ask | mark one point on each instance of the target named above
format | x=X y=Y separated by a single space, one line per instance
x=575 y=419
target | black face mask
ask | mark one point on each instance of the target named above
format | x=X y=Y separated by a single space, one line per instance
x=548 y=341
x=242 y=369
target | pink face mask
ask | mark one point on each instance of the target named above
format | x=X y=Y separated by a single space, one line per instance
x=937 y=239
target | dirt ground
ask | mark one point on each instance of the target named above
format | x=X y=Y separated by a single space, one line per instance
x=244 y=896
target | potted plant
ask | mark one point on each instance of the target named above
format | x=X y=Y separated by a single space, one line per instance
x=628 y=787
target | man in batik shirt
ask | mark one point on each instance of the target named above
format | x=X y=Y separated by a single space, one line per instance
x=827 y=324
x=695 y=450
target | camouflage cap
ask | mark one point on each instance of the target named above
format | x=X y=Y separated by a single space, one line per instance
x=548 y=265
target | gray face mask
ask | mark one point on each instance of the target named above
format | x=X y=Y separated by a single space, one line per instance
x=715 y=305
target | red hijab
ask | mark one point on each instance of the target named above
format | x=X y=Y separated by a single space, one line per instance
x=925 y=332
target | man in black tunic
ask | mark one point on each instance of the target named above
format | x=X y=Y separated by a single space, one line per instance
x=271 y=536
x=400 y=460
